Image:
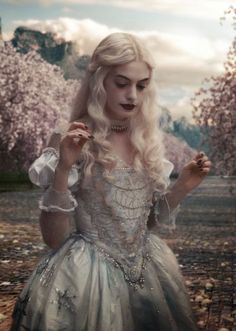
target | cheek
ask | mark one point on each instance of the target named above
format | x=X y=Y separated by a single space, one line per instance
x=114 y=93
x=143 y=95
x=112 y=97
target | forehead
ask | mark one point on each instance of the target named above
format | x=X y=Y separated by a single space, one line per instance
x=135 y=70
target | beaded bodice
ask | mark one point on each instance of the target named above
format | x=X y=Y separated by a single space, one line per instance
x=113 y=213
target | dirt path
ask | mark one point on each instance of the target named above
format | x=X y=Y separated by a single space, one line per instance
x=204 y=244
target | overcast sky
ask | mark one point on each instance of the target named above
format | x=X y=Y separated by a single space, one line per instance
x=185 y=36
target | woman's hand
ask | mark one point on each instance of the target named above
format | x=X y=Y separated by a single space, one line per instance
x=195 y=171
x=72 y=143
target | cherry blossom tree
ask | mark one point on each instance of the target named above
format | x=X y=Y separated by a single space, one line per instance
x=178 y=152
x=34 y=96
x=214 y=109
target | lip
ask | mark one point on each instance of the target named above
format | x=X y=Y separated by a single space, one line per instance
x=128 y=106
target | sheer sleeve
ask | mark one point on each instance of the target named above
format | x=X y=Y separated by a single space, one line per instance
x=164 y=217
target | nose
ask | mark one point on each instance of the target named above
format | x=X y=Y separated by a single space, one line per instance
x=132 y=94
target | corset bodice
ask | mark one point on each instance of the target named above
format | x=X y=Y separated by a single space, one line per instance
x=113 y=212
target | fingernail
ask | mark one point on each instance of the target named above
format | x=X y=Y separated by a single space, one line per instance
x=199 y=162
x=86 y=127
x=91 y=137
x=80 y=135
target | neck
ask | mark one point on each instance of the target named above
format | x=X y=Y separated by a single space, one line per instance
x=119 y=125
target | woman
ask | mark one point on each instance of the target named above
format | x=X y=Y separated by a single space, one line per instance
x=108 y=170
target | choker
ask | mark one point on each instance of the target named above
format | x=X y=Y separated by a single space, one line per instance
x=119 y=125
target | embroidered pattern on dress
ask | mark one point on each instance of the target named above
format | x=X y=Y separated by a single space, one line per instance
x=45 y=271
x=119 y=206
x=134 y=275
x=65 y=300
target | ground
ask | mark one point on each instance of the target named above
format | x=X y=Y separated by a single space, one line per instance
x=204 y=243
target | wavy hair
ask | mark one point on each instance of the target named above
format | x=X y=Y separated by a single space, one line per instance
x=145 y=135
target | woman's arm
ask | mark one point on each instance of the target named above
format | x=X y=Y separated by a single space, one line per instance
x=55 y=225
x=191 y=176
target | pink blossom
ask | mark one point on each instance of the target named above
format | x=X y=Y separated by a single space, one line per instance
x=216 y=110
x=33 y=96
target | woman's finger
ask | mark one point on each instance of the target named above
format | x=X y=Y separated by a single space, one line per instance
x=207 y=163
x=202 y=160
x=205 y=170
x=75 y=125
x=80 y=134
x=199 y=155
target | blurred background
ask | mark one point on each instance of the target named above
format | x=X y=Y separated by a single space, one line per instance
x=45 y=46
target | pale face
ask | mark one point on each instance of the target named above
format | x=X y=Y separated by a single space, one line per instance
x=125 y=86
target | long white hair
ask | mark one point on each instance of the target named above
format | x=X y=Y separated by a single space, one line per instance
x=145 y=135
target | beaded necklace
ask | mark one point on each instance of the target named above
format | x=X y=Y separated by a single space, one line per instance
x=120 y=125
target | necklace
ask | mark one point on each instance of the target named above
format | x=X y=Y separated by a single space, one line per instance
x=119 y=125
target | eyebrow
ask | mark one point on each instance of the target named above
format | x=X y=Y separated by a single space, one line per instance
x=122 y=76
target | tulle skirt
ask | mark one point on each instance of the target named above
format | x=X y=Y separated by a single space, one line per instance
x=76 y=288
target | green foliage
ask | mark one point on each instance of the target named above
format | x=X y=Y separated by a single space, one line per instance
x=53 y=50
x=12 y=181
x=47 y=46
x=13 y=177
x=192 y=134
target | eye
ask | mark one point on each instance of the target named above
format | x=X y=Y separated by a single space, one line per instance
x=121 y=85
x=141 y=87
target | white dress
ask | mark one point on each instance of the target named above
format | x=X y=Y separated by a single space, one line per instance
x=113 y=273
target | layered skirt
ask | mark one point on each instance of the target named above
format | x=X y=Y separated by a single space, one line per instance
x=76 y=288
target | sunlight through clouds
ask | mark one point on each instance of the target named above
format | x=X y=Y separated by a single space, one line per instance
x=179 y=59
x=185 y=37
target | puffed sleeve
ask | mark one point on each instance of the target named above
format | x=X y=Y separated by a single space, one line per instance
x=41 y=173
x=163 y=215
x=168 y=168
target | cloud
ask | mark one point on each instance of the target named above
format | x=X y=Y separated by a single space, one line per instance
x=209 y=9
x=179 y=58
x=67 y=10
x=86 y=33
x=7 y=35
x=181 y=107
x=172 y=52
x=192 y=8
x=182 y=62
x=23 y=2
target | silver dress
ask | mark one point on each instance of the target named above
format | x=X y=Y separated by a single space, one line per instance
x=112 y=273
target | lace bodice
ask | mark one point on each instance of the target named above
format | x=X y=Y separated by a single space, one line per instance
x=112 y=212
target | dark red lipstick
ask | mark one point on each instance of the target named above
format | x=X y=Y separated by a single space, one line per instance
x=128 y=106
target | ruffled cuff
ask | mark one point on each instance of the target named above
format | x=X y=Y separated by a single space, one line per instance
x=53 y=200
x=164 y=216
x=42 y=170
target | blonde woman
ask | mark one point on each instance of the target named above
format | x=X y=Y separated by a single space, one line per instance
x=108 y=171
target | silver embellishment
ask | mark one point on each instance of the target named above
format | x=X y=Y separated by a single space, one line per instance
x=42 y=266
x=118 y=214
x=134 y=274
x=64 y=299
x=47 y=275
